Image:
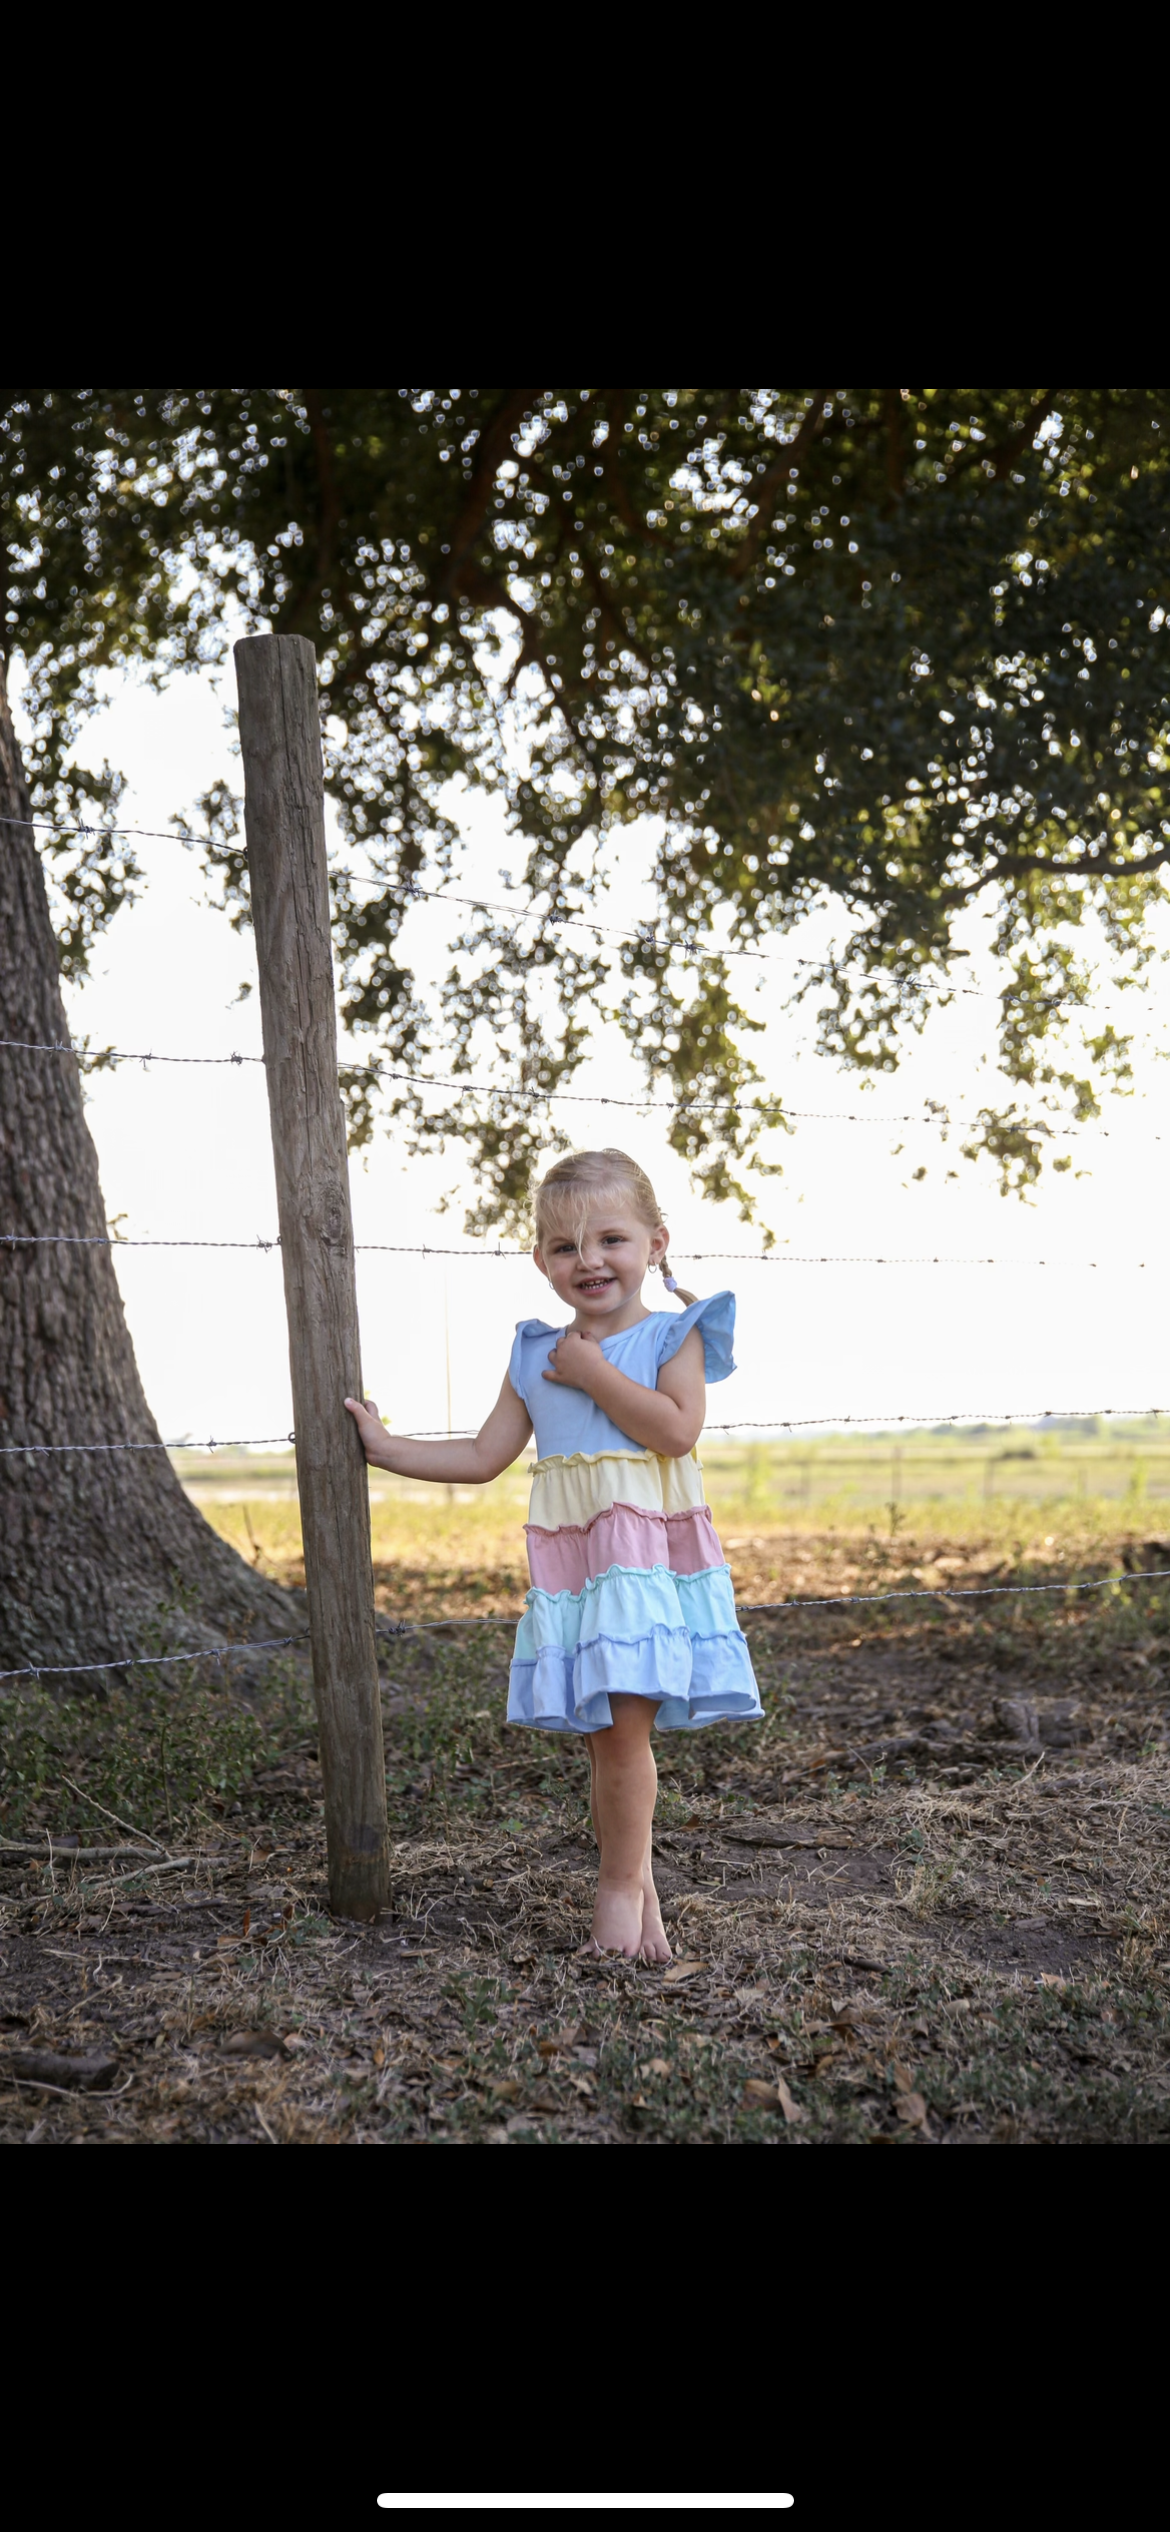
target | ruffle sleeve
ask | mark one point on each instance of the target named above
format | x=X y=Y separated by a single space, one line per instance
x=525 y=1329
x=715 y=1320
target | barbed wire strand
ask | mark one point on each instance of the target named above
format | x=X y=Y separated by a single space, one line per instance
x=430 y=1626
x=642 y=936
x=682 y=1107
x=875 y=1425
x=840 y=1600
x=152 y=1661
x=685 y=1256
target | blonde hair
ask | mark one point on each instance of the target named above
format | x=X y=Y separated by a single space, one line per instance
x=579 y=1183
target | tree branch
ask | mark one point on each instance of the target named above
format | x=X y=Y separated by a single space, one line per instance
x=614 y=483
x=493 y=447
x=1003 y=456
x=1086 y=866
x=791 y=455
x=330 y=512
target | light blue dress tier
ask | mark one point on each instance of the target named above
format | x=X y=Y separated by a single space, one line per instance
x=631 y=1593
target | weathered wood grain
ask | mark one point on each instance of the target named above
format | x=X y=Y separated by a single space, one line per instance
x=280 y=735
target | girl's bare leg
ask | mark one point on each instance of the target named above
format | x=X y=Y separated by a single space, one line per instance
x=624 y=1785
x=655 y=1942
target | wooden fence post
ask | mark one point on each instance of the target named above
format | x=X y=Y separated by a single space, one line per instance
x=284 y=813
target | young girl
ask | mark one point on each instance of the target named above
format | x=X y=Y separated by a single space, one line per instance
x=631 y=1616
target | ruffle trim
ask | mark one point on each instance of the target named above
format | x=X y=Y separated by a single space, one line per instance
x=593 y=1459
x=692 y=1681
x=626 y=1603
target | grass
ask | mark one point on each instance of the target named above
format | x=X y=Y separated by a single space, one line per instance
x=924 y=1901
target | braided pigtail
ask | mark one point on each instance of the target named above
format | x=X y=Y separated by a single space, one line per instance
x=678 y=1292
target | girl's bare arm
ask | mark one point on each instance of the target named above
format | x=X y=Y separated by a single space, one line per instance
x=668 y=1419
x=496 y=1445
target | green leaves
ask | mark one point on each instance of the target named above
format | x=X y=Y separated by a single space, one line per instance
x=894 y=653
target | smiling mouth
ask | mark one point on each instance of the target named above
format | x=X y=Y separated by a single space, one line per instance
x=596 y=1283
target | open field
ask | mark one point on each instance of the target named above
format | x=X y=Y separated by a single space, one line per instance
x=459 y=1551
x=924 y=1902
x=828 y=1477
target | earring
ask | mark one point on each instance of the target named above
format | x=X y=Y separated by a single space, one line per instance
x=653 y=1267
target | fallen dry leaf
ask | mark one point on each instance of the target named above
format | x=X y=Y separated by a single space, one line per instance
x=911 y=2107
x=583 y=2083
x=903 y=2079
x=379 y=2056
x=507 y=2090
x=656 y=2066
x=760 y=2095
x=680 y=1970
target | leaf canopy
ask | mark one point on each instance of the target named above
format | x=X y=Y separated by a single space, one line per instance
x=892 y=652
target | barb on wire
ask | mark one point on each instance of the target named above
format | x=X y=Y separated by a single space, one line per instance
x=152 y=1661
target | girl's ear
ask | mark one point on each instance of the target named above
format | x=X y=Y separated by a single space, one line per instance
x=540 y=1266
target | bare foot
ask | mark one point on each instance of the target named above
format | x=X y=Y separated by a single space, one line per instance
x=655 y=1941
x=617 y=1919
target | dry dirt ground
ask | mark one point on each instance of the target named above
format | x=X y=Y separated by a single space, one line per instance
x=923 y=1903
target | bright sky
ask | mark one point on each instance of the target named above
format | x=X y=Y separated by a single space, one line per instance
x=185 y=1153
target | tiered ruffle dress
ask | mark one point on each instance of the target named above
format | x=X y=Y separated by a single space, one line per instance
x=631 y=1592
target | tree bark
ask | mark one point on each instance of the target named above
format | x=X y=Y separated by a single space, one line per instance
x=102 y=1556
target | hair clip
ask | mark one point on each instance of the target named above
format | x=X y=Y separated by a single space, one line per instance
x=669 y=1282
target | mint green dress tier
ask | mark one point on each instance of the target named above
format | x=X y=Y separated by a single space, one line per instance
x=631 y=1592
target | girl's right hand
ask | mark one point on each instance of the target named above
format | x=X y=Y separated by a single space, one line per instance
x=369 y=1424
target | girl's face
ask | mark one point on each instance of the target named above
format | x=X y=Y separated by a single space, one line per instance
x=599 y=1268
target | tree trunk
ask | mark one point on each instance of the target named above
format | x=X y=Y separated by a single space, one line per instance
x=101 y=1554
